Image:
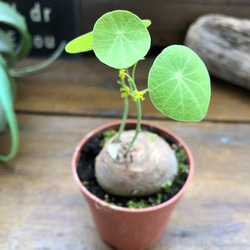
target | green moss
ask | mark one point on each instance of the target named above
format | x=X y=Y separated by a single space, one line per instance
x=107 y=136
x=134 y=203
x=159 y=198
x=182 y=161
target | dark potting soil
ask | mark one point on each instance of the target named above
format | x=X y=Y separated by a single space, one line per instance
x=86 y=173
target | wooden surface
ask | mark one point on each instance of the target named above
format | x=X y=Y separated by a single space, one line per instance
x=40 y=204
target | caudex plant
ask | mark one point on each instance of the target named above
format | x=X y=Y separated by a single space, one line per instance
x=11 y=54
x=136 y=163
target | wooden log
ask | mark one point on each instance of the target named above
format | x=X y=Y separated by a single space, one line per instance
x=223 y=42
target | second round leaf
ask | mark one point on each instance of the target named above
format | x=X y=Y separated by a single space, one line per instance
x=179 y=84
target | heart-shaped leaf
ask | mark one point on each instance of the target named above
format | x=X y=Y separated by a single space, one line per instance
x=120 y=39
x=179 y=84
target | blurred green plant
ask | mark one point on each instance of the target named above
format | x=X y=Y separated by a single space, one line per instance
x=10 y=54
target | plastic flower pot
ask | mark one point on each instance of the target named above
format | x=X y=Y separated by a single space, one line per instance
x=126 y=228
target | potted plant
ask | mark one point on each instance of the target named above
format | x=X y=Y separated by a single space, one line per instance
x=10 y=54
x=132 y=173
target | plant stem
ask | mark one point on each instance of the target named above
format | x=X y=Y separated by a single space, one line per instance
x=133 y=88
x=138 y=108
x=138 y=126
x=125 y=114
x=131 y=80
x=133 y=72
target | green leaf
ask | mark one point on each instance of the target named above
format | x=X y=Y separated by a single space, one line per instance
x=83 y=43
x=80 y=44
x=12 y=18
x=179 y=84
x=6 y=46
x=120 y=39
x=6 y=101
x=146 y=22
x=20 y=72
x=3 y=121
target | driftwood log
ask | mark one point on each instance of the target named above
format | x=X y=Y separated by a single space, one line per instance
x=223 y=43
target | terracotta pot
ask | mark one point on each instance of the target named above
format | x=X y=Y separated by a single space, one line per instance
x=124 y=228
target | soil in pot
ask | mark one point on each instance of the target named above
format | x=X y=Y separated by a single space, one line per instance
x=86 y=173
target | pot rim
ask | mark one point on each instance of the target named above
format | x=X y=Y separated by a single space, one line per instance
x=100 y=202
